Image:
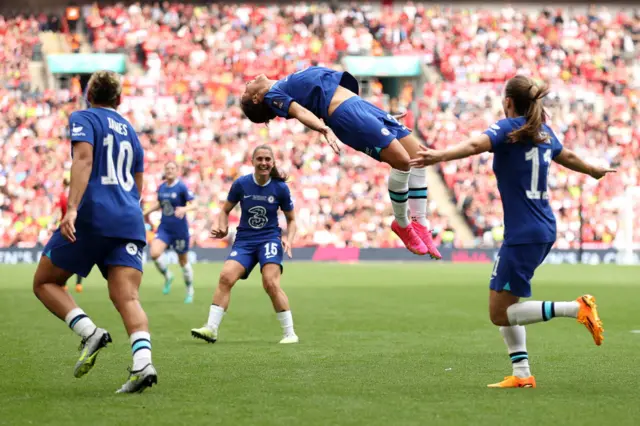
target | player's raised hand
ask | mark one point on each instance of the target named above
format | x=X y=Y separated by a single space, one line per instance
x=331 y=138
x=287 y=248
x=180 y=212
x=218 y=232
x=600 y=172
x=426 y=157
x=68 y=225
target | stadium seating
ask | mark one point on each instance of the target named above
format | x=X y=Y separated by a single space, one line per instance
x=190 y=65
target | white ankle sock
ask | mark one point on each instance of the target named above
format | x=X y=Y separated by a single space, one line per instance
x=80 y=323
x=140 y=349
x=215 y=316
x=515 y=337
x=286 y=322
x=398 y=186
x=530 y=312
x=418 y=195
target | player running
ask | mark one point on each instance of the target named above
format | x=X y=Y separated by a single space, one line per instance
x=175 y=201
x=523 y=147
x=258 y=240
x=62 y=204
x=103 y=226
x=316 y=94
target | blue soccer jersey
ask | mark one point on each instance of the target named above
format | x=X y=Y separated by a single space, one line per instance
x=110 y=206
x=171 y=197
x=521 y=169
x=313 y=88
x=259 y=204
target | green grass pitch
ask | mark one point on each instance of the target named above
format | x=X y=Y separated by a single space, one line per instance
x=381 y=344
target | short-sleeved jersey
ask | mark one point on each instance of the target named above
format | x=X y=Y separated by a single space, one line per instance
x=111 y=203
x=170 y=197
x=259 y=204
x=313 y=88
x=521 y=169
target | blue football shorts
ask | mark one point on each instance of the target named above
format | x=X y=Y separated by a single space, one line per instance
x=89 y=250
x=178 y=241
x=365 y=127
x=250 y=254
x=515 y=265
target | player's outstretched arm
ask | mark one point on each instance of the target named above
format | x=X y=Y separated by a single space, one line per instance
x=472 y=146
x=81 y=167
x=571 y=161
x=220 y=227
x=292 y=227
x=309 y=119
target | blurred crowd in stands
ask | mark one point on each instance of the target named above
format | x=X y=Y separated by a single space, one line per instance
x=188 y=66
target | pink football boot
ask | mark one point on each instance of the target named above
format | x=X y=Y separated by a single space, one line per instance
x=410 y=238
x=425 y=235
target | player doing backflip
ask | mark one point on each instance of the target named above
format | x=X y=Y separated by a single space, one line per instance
x=523 y=147
x=258 y=241
x=174 y=199
x=316 y=94
x=103 y=226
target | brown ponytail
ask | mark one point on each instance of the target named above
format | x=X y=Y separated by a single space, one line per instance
x=527 y=97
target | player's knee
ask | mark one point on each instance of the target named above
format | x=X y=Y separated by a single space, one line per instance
x=271 y=284
x=227 y=280
x=155 y=252
x=120 y=297
x=499 y=317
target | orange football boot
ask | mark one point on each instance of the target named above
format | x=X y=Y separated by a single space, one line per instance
x=588 y=316
x=78 y=288
x=515 y=382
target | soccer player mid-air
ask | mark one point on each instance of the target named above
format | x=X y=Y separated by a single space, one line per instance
x=103 y=226
x=523 y=147
x=174 y=198
x=62 y=204
x=258 y=240
x=316 y=94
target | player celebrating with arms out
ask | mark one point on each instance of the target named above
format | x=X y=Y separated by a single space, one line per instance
x=319 y=93
x=103 y=226
x=175 y=201
x=258 y=240
x=523 y=147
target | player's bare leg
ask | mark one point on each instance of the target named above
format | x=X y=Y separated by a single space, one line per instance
x=511 y=315
x=397 y=157
x=156 y=251
x=271 y=274
x=124 y=283
x=187 y=271
x=418 y=197
x=48 y=286
x=231 y=272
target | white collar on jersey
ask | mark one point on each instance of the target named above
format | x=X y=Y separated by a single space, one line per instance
x=256 y=182
x=175 y=182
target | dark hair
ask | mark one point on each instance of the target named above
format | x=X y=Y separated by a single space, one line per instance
x=275 y=173
x=257 y=113
x=104 y=89
x=527 y=102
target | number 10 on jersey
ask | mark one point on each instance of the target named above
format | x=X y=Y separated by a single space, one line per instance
x=121 y=174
